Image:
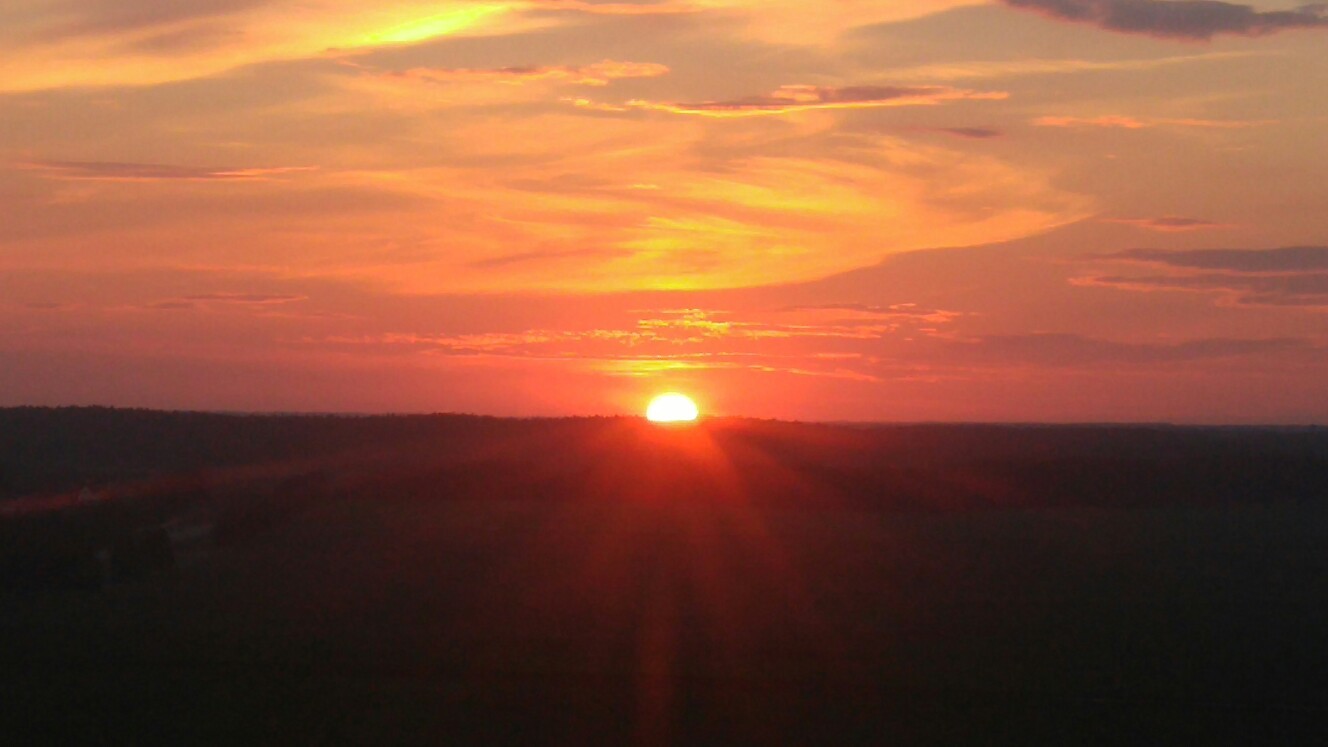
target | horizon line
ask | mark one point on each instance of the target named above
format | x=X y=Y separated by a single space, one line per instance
x=705 y=417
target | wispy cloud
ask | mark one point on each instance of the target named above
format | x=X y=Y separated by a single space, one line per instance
x=46 y=305
x=97 y=17
x=1060 y=350
x=1115 y=121
x=841 y=314
x=220 y=300
x=798 y=98
x=1170 y=223
x=663 y=7
x=845 y=321
x=146 y=42
x=545 y=257
x=806 y=340
x=594 y=74
x=1011 y=68
x=126 y=171
x=170 y=306
x=1195 y=20
x=245 y=298
x=971 y=133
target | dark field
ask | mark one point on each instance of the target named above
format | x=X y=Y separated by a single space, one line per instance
x=452 y=580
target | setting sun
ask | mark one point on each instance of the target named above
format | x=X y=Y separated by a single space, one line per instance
x=671 y=408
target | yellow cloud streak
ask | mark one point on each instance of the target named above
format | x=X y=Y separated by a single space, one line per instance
x=435 y=25
x=791 y=99
x=760 y=220
x=281 y=31
x=290 y=29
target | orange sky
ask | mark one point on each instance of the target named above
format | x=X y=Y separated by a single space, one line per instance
x=919 y=210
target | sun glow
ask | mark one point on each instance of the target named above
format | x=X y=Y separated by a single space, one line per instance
x=672 y=408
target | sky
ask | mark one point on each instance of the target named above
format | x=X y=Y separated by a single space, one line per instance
x=1018 y=210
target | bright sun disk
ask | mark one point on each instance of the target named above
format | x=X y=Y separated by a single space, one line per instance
x=671 y=408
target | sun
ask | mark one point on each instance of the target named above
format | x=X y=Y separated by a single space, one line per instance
x=671 y=408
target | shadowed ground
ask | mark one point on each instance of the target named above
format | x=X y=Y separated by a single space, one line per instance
x=734 y=583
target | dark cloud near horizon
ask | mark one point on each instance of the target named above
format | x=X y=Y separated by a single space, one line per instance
x=1294 y=276
x=1308 y=291
x=1194 y=20
x=1170 y=223
x=972 y=133
x=1285 y=259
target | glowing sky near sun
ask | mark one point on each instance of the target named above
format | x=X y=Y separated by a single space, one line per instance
x=925 y=209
